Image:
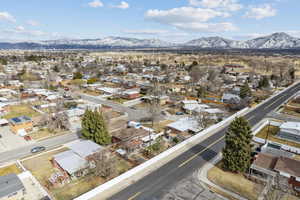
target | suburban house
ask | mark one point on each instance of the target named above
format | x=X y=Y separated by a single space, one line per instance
x=21 y=125
x=281 y=170
x=230 y=98
x=190 y=108
x=131 y=94
x=109 y=91
x=290 y=131
x=76 y=162
x=130 y=139
x=11 y=187
x=183 y=126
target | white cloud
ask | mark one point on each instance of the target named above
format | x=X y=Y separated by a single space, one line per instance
x=145 y=32
x=229 y=5
x=191 y=19
x=261 y=11
x=183 y=15
x=33 y=23
x=7 y=17
x=206 y=27
x=122 y=5
x=96 y=4
x=20 y=30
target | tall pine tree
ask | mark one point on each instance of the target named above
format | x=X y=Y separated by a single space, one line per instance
x=237 y=151
x=245 y=91
x=94 y=127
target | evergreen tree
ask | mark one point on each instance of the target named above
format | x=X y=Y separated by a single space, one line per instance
x=77 y=75
x=86 y=124
x=264 y=82
x=94 y=127
x=245 y=91
x=237 y=151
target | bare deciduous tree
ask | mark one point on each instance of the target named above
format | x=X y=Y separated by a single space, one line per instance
x=202 y=118
x=59 y=121
x=105 y=164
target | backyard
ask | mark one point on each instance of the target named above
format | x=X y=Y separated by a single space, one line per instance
x=236 y=183
x=21 y=110
x=273 y=130
x=77 y=187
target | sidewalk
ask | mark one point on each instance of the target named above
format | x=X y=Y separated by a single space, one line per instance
x=202 y=175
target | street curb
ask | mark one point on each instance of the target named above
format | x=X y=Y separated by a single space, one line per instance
x=202 y=175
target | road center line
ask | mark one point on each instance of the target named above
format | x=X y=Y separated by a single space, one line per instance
x=250 y=118
x=199 y=153
x=134 y=196
x=273 y=102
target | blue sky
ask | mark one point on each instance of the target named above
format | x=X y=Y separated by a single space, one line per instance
x=170 y=20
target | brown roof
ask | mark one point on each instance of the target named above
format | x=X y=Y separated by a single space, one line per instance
x=265 y=161
x=132 y=144
x=288 y=165
x=129 y=133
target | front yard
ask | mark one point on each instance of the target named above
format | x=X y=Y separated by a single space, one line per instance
x=236 y=183
x=45 y=133
x=273 y=130
x=40 y=166
x=20 y=110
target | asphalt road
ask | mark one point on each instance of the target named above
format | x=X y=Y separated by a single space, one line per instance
x=52 y=143
x=133 y=114
x=22 y=152
x=157 y=184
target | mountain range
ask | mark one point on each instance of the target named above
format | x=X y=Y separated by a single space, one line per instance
x=274 y=41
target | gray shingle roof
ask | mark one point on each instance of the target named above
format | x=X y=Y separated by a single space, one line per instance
x=85 y=148
x=9 y=184
x=70 y=161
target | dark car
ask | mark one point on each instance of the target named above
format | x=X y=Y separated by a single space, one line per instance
x=38 y=149
x=179 y=113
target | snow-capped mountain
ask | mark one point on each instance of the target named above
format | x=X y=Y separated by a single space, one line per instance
x=111 y=41
x=274 y=41
x=216 y=42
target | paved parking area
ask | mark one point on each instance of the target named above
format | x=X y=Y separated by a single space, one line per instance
x=190 y=188
x=10 y=141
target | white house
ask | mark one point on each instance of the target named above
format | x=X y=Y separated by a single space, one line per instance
x=186 y=124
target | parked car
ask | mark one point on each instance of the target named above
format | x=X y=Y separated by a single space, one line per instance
x=179 y=113
x=38 y=149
